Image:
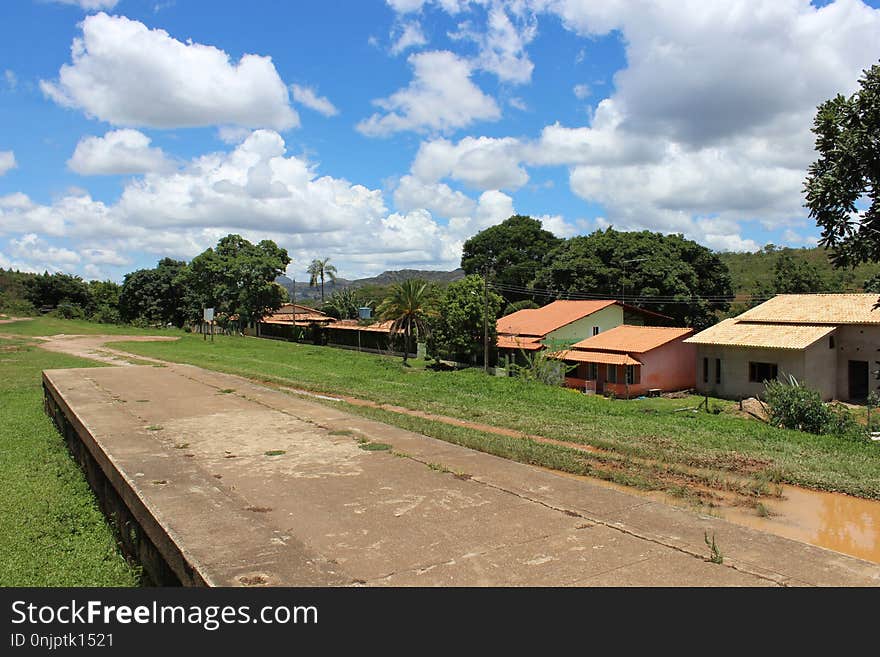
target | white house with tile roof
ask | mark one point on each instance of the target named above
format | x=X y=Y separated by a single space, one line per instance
x=829 y=342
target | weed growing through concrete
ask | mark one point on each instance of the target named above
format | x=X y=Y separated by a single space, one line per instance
x=154 y=427
x=715 y=555
x=375 y=447
x=275 y=452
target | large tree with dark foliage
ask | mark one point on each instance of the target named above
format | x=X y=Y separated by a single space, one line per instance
x=662 y=273
x=155 y=295
x=51 y=290
x=843 y=185
x=511 y=251
x=237 y=278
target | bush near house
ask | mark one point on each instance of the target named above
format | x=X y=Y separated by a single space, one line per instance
x=793 y=405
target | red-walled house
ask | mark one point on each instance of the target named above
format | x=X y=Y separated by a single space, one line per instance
x=630 y=361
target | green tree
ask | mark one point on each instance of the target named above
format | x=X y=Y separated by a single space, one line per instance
x=873 y=284
x=526 y=304
x=155 y=295
x=511 y=251
x=54 y=289
x=662 y=273
x=459 y=324
x=847 y=173
x=317 y=270
x=104 y=301
x=237 y=278
x=345 y=303
x=407 y=307
x=797 y=276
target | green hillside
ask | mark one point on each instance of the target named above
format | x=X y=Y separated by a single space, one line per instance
x=749 y=271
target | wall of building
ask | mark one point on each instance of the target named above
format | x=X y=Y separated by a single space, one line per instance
x=605 y=319
x=856 y=343
x=820 y=365
x=669 y=367
x=735 y=361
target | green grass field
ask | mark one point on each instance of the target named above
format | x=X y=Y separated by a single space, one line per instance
x=47 y=325
x=639 y=436
x=51 y=530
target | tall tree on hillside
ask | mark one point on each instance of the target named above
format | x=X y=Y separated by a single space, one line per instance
x=511 y=251
x=847 y=173
x=317 y=270
x=662 y=273
x=406 y=305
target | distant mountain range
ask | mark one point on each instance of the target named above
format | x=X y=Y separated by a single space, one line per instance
x=305 y=292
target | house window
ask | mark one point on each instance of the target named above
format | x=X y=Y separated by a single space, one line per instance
x=705 y=370
x=633 y=374
x=717 y=370
x=595 y=330
x=612 y=374
x=592 y=371
x=760 y=372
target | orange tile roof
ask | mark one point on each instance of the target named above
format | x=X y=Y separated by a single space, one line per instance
x=633 y=339
x=352 y=325
x=517 y=342
x=816 y=309
x=538 y=322
x=584 y=356
x=735 y=333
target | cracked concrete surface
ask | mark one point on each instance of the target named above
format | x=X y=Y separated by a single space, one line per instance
x=253 y=484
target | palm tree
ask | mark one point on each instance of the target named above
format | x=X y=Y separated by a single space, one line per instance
x=318 y=270
x=406 y=306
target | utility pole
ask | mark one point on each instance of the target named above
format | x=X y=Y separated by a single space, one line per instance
x=486 y=320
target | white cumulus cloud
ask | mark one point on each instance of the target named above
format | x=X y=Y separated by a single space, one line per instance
x=482 y=162
x=440 y=98
x=127 y=74
x=117 y=152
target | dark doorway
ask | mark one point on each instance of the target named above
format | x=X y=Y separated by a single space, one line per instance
x=858 y=379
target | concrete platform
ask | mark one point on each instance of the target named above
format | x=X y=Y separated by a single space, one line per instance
x=214 y=480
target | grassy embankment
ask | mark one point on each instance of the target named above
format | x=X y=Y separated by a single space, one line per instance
x=51 y=530
x=650 y=443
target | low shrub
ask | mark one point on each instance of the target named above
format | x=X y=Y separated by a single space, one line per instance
x=794 y=406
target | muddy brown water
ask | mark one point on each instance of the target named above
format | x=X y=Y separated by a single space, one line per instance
x=831 y=520
x=846 y=524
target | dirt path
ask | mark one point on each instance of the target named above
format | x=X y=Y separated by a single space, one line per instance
x=93 y=347
x=5 y=319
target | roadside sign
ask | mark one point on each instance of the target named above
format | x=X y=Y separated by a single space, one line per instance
x=209 y=314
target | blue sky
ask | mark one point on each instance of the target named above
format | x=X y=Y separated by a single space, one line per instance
x=385 y=133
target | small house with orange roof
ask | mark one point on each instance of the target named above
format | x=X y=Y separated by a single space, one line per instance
x=630 y=361
x=291 y=320
x=560 y=324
